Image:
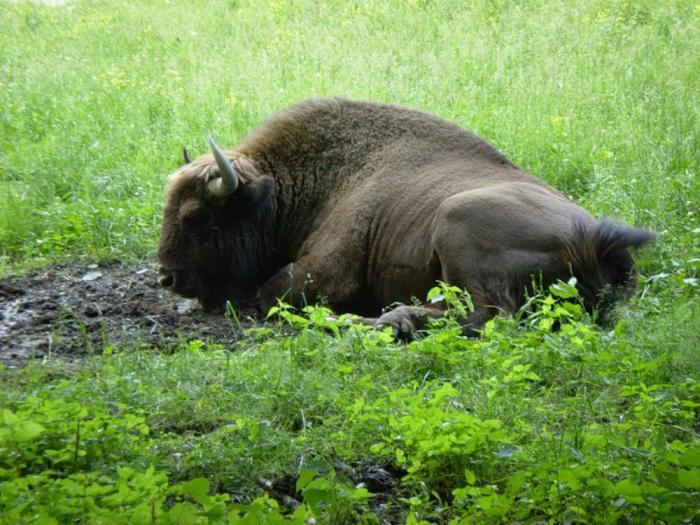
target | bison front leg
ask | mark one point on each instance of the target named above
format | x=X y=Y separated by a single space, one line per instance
x=313 y=278
x=406 y=320
x=291 y=284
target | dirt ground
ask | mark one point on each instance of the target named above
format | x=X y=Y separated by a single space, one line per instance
x=73 y=310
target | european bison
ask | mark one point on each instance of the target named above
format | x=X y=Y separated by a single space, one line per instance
x=365 y=205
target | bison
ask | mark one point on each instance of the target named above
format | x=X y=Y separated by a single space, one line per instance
x=364 y=205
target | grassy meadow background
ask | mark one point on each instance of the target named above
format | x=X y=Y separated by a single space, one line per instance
x=98 y=99
x=600 y=98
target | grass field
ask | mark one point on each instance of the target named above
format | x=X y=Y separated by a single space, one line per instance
x=599 y=98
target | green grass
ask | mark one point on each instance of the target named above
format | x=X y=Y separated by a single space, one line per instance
x=599 y=98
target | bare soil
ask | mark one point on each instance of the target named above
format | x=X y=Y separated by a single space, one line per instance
x=69 y=311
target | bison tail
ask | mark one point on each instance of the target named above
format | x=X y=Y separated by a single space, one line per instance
x=601 y=262
x=611 y=238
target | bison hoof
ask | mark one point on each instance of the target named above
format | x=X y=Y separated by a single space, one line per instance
x=404 y=321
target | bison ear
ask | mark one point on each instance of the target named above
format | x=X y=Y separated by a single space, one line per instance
x=258 y=190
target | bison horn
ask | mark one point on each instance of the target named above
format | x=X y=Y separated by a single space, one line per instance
x=228 y=182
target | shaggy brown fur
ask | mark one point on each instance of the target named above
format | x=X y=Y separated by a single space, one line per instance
x=364 y=205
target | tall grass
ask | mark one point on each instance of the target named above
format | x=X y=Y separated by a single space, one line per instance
x=600 y=98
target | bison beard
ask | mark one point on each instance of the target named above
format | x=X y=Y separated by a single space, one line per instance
x=364 y=205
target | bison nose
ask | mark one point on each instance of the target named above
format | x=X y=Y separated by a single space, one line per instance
x=165 y=278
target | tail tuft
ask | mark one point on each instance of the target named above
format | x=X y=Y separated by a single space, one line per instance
x=601 y=262
x=611 y=237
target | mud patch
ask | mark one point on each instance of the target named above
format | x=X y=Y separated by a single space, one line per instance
x=74 y=310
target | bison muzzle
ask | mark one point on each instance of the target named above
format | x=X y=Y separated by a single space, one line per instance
x=364 y=205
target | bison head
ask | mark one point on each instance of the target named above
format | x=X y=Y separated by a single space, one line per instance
x=214 y=241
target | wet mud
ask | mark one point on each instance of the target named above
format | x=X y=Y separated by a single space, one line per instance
x=71 y=311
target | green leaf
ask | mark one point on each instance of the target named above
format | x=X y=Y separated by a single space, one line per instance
x=196 y=487
x=314 y=497
x=570 y=477
x=304 y=479
x=9 y=417
x=436 y=298
x=45 y=519
x=564 y=290
x=690 y=458
x=627 y=488
x=434 y=291
x=631 y=491
x=469 y=476
x=516 y=481
x=689 y=479
x=26 y=431
x=183 y=514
